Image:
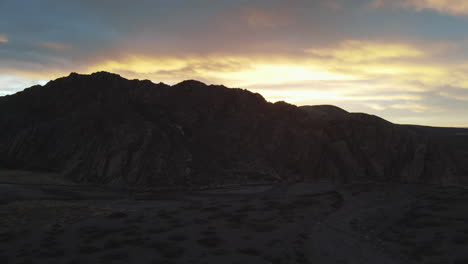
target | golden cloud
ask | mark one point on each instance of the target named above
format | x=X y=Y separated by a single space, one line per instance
x=3 y=38
x=311 y=95
x=257 y=18
x=418 y=108
x=56 y=46
x=377 y=76
x=454 y=96
x=359 y=51
x=453 y=7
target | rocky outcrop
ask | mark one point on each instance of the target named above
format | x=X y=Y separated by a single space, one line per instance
x=103 y=128
x=363 y=147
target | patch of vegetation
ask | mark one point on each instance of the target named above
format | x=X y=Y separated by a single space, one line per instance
x=210 y=241
x=211 y=209
x=200 y=221
x=219 y=215
x=245 y=208
x=249 y=251
x=165 y=214
x=336 y=200
x=428 y=249
x=300 y=256
x=3 y=259
x=52 y=253
x=32 y=177
x=246 y=237
x=460 y=261
x=139 y=219
x=26 y=250
x=221 y=252
x=8 y=236
x=167 y=250
x=177 y=237
x=234 y=225
x=136 y=241
x=92 y=233
x=304 y=201
x=271 y=204
x=157 y=230
x=263 y=227
x=209 y=231
x=273 y=242
x=89 y=249
x=25 y=261
x=237 y=218
x=175 y=223
x=273 y=260
x=132 y=232
x=113 y=257
x=113 y=243
x=116 y=215
x=460 y=240
x=423 y=223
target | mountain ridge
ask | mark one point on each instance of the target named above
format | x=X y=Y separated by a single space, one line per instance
x=103 y=128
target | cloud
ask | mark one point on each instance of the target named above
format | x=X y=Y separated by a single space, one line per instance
x=3 y=38
x=56 y=46
x=452 y=7
x=395 y=78
x=258 y=18
x=11 y=83
x=418 y=108
x=400 y=65
x=359 y=51
x=456 y=93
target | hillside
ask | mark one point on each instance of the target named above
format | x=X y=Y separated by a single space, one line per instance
x=102 y=128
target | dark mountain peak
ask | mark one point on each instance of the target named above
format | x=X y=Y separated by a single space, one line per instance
x=104 y=128
x=325 y=107
x=325 y=111
x=99 y=74
x=190 y=84
x=219 y=95
x=104 y=74
x=74 y=78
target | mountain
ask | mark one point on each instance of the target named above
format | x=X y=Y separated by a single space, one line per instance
x=102 y=128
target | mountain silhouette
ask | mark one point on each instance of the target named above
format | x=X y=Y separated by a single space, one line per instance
x=102 y=128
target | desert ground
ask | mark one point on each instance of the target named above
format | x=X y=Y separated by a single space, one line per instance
x=45 y=220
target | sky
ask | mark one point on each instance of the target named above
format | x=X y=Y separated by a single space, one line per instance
x=403 y=60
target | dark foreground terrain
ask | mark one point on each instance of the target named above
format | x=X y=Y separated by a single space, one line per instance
x=294 y=223
x=100 y=169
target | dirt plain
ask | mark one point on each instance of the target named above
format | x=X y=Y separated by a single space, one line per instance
x=286 y=223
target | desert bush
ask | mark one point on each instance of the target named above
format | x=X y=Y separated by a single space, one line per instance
x=177 y=237
x=115 y=215
x=263 y=227
x=249 y=251
x=113 y=257
x=167 y=250
x=210 y=241
x=52 y=253
x=89 y=249
x=460 y=240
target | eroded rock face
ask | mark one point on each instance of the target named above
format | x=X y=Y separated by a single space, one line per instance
x=106 y=129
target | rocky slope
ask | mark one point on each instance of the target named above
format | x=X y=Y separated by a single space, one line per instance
x=102 y=128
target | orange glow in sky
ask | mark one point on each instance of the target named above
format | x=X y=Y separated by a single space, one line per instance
x=404 y=60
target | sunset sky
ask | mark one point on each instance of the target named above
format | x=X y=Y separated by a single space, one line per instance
x=404 y=60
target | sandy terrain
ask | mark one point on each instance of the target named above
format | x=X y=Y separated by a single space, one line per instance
x=299 y=223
